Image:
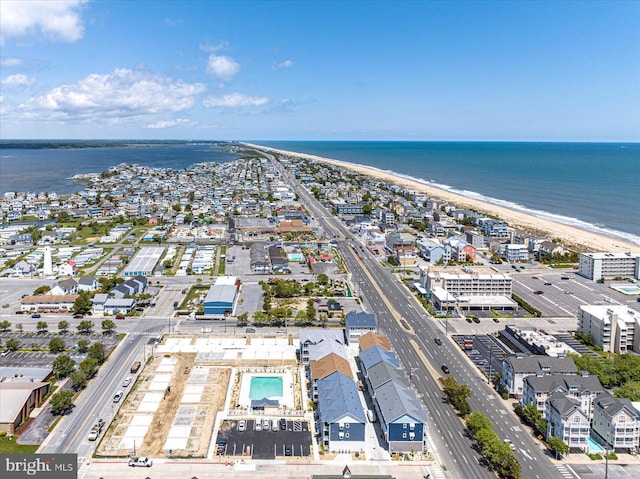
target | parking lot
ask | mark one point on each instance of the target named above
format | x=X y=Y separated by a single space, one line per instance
x=36 y=341
x=295 y=440
x=561 y=293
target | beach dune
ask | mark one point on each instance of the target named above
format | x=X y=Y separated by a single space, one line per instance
x=573 y=237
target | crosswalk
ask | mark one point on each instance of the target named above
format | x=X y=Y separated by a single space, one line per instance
x=435 y=472
x=83 y=467
x=565 y=471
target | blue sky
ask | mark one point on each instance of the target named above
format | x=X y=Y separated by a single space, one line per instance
x=366 y=70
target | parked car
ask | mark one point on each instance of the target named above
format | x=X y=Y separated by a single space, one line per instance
x=78 y=316
x=126 y=381
x=547 y=283
x=242 y=425
x=476 y=320
x=283 y=424
x=36 y=316
x=93 y=435
x=496 y=320
x=258 y=425
x=469 y=320
x=120 y=316
x=250 y=330
x=287 y=450
x=568 y=292
x=266 y=424
x=118 y=396
x=140 y=462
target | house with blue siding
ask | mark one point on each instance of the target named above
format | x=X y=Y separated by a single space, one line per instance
x=402 y=420
x=340 y=417
x=358 y=324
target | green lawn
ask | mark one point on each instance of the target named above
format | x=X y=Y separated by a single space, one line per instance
x=9 y=446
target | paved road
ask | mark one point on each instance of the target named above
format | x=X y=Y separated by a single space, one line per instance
x=383 y=293
x=96 y=401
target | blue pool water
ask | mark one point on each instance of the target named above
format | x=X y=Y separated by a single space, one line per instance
x=265 y=387
x=594 y=447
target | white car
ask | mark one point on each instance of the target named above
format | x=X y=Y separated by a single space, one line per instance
x=242 y=425
x=140 y=462
x=510 y=444
x=126 y=381
x=258 y=425
x=118 y=396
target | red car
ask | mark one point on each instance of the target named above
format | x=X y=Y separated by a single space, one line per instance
x=120 y=316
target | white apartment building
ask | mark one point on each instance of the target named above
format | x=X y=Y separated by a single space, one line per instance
x=596 y=266
x=614 y=328
x=469 y=289
x=516 y=253
x=566 y=421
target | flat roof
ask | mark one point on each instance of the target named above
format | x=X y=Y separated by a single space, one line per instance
x=145 y=260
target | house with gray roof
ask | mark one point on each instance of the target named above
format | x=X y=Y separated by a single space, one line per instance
x=584 y=389
x=357 y=324
x=376 y=354
x=402 y=420
x=310 y=336
x=87 y=283
x=66 y=286
x=381 y=373
x=340 y=418
x=616 y=423
x=325 y=348
x=119 y=305
x=516 y=368
x=567 y=421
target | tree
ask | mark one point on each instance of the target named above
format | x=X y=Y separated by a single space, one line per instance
x=510 y=468
x=83 y=346
x=284 y=289
x=96 y=351
x=85 y=326
x=56 y=345
x=82 y=304
x=630 y=389
x=557 y=445
x=78 y=379
x=392 y=260
x=63 y=326
x=108 y=326
x=311 y=310
x=367 y=209
x=61 y=402
x=62 y=366
x=5 y=325
x=476 y=421
x=42 y=289
x=88 y=366
x=13 y=344
x=457 y=395
x=322 y=279
x=42 y=326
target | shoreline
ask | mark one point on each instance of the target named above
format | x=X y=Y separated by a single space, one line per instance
x=571 y=236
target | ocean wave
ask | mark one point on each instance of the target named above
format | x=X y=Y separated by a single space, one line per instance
x=474 y=195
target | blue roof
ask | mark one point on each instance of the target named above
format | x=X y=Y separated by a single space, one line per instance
x=375 y=354
x=338 y=398
x=360 y=320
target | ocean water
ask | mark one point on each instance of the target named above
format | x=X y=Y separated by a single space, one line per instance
x=38 y=170
x=595 y=186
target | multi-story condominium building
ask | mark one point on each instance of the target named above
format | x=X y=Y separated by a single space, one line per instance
x=516 y=253
x=597 y=266
x=467 y=289
x=461 y=251
x=614 y=328
x=493 y=228
x=387 y=217
x=582 y=390
x=616 y=423
x=566 y=421
x=516 y=368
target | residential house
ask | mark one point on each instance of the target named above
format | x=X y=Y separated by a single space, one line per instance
x=358 y=324
x=616 y=423
x=66 y=286
x=374 y=355
x=310 y=337
x=87 y=283
x=516 y=368
x=68 y=268
x=323 y=367
x=583 y=389
x=119 y=305
x=567 y=421
x=371 y=339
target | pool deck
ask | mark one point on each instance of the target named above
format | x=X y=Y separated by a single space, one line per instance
x=287 y=398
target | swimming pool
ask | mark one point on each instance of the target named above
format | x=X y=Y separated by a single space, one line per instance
x=265 y=387
x=626 y=288
x=594 y=447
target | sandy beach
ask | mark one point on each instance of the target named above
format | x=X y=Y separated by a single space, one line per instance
x=575 y=238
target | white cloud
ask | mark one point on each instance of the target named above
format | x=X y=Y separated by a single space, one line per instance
x=172 y=23
x=162 y=124
x=234 y=100
x=117 y=96
x=284 y=64
x=11 y=62
x=52 y=20
x=19 y=80
x=223 y=67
